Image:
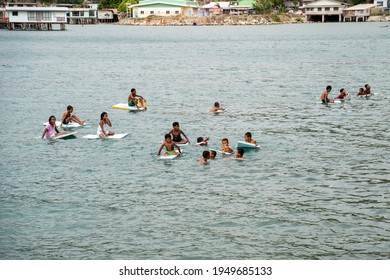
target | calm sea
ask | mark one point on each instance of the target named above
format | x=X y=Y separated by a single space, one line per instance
x=318 y=189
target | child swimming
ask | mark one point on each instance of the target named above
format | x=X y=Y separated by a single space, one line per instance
x=216 y=108
x=225 y=146
x=202 y=141
x=169 y=146
x=205 y=158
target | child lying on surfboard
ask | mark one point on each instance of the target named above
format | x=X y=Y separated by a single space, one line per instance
x=169 y=146
x=202 y=141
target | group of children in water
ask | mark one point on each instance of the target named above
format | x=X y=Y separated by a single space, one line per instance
x=172 y=139
x=366 y=91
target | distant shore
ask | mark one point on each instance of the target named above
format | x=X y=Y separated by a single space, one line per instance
x=225 y=20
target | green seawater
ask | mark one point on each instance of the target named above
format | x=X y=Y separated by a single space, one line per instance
x=318 y=189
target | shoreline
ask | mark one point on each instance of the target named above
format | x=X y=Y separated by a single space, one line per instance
x=224 y=20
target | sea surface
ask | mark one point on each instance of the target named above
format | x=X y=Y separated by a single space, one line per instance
x=319 y=188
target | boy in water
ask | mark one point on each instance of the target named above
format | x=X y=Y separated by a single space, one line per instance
x=213 y=154
x=176 y=134
x=248 y=138
x=169 y=146
x=225 y=146
x=343 y=94
x=206 y=156
x=202 y=141
x=240 y=153
x=133 y=99
x=360 y=92
x=216 y=108
x=67 y=117
x=324 y=95
x=367 y=89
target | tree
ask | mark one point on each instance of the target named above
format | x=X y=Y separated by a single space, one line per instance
x=263 y=6
x=122 y=7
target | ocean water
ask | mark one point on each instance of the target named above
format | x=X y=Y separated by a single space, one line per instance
x=318 y=189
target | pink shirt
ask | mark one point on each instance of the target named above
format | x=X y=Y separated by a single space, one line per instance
x=51 y=130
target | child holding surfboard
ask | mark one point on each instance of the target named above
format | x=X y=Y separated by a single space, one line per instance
x=104 y=126
x=169 y=146
x=51 y=129
x=216 y=108
x=202 y=141
x=176 y=134
x=248 y=138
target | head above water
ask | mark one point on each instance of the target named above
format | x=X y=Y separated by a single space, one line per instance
x=329 y=88
x=199 y=139
x=168 y=137
x=341 y=90
x=52 y=119
x=133 y=90
x=225 y=140
x=240 y=152
x=216 y=104
x=206 y=154
x=213 y=154
x=69 y=108
x=248 y=134
x=175 y=124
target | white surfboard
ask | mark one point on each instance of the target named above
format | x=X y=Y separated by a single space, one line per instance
x=125 y=106
x=68 y=125
x=115 y=136
x=168 y=156
x=243 y=144
x=368 y=95
x=181 y=145
x=220 y=152
x=64 y=135
x=219 y=111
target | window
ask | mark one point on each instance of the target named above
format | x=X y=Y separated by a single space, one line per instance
x=167 y=12
x=177 y=12
x=91 y=13
x=60 y=18
x=31 y=16
x=327 y=9
x=15 y=14
x=1 y=14
x=152 y=12
x=142 y=12
x=47 y=16
x=319 y=9
x=379 y=3
x=335 y=8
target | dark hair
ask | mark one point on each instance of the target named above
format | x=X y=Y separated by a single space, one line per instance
x=206 y=154
x=175 y=123
x=69 y=107
x=240 y=151
x=213 y=152
x=216 y=104
x=132 y=90
x=225 y=139
x=199 y=139
x=329 y=87
x=361 y=89
x=168 y=136
x=102 y=115
x=365 y=85
x=248 y=134
x=51 y=117
x=341 y=90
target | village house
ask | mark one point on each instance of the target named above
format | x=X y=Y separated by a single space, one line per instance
x=147 y=8
x=39 y=18
x=325 y=10
x=383 y=4
x=83 y=15
x=358 y=13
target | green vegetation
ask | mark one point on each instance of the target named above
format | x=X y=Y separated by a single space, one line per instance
x=276 y=18
x=122 y=7
x=266 y=6
x=300 y=20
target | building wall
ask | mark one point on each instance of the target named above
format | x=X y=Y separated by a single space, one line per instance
x=382 y=3
x=37 y=16
x=157 y=10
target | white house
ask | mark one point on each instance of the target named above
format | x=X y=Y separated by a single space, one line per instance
x=325 y=10
x=358 y=12
x=147 y=8
x=40 y=18
x=384 y=4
